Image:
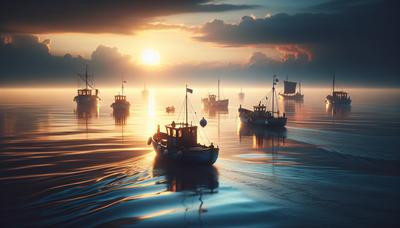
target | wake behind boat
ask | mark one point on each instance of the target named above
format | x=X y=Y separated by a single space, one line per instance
x=86 y=96
x=179 y=143
x=261 y=116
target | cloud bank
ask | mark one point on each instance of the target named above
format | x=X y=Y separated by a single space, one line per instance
x=357 y=38
x=93 y=16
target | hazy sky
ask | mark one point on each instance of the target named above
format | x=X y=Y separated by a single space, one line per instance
x=48 y=42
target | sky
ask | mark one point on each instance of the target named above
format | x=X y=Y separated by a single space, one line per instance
x=45 y=42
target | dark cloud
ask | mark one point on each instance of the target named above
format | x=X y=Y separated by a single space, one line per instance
x=334 y=6
x=24 y=59
x=362 y=38
x=95 y=16
x=366 y=22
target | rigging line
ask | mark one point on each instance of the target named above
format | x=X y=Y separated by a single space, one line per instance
x=206 y=139
x=180 y=109
x=264 y=97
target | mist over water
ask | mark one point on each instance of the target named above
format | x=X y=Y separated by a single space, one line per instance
x=335 y=167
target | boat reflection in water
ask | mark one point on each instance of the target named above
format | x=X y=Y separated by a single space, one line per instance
x=84 y=111
x=120 y=117
x=214 y=112
x=197 y=179
x=193 y=182
x=263 y=137
x=338 y=111
x=290 y=106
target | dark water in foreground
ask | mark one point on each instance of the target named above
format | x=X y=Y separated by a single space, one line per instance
x=328 y=168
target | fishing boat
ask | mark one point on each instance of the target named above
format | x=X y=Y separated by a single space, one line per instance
x=145 y=91
x=87 y=96
x=337 y=97
x=214 y=102
x=260 y=116
x=289 y=91
x=179 y=143
x=120 y=103
x=170 y=109
x=241 y=94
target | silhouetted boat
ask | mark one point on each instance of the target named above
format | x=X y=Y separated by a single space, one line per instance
x=145 y=91
x=338 y=97
x=85 y=96
x=170 y=109
x=179 y=144
x=241 y=94
x=211 y=102
x=261 y=116
x=289 y=91
x=120 y=103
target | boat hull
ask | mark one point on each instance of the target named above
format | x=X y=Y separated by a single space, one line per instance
x=248 y=117
x=87 y=100
x=169 y=109
x=216 y=105
x=296 y=96
x=121 y=106
x=198 y=155
x=333 y=101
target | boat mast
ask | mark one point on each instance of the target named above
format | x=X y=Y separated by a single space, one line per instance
x=122 y=82
x=300 y=87
x=186 y=109
x=218 y=89
x=86 y=77
x=273 y=94
x=333 y=83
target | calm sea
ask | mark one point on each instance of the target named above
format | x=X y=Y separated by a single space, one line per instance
x=329 y=167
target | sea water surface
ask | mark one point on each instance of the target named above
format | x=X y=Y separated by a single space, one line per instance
x=329 y=167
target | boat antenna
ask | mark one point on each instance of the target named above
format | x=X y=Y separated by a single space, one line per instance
x=218 y=90
x=273 y=93
x=186 y=106
x=122 y=82
x=274 y=81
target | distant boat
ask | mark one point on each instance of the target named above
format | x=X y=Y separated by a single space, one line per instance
x=241 y=94
x=211 y=102
x=145 y=91
x=261 y=116
x=170 y=109
x=180 y=144
x=289 y=91
x=120 y=103
x=337 y=97
x=86 y=96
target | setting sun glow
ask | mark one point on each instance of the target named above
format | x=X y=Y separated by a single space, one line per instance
x=150 y=57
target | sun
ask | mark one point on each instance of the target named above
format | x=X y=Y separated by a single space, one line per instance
x=150 y=57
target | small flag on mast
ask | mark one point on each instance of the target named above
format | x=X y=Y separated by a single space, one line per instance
x=189 y=90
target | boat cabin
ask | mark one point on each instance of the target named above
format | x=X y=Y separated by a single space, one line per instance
x=119 y=98
x=340 y=94
x=86 y=92
x=261 y=110
x=181 y=134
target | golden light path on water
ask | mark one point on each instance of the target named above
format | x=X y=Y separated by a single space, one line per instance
x=64 y=166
